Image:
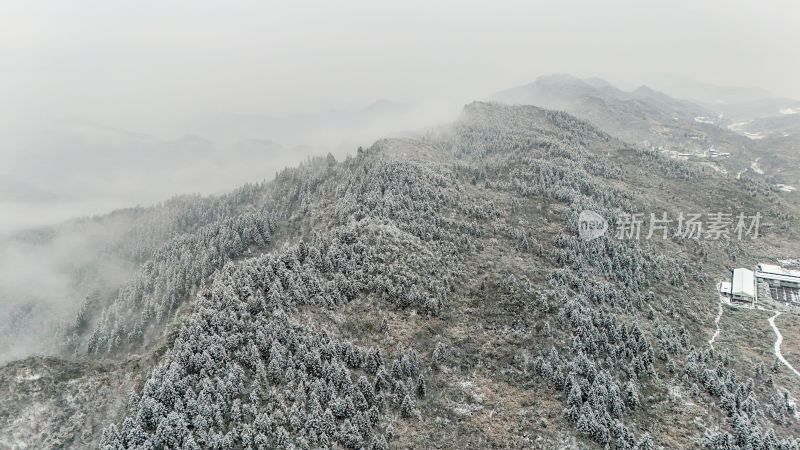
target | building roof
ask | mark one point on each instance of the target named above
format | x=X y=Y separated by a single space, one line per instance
x=777 y=270
x=744 y=283
x=770 y=268
x=773 y=276
x=725 y=287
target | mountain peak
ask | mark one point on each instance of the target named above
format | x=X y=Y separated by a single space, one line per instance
x=644 y=89
x=563 y=81
x=559 y=78
x=598 y=82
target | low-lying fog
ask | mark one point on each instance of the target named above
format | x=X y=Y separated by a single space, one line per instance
x=73 y=168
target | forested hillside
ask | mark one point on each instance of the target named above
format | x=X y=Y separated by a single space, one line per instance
x=429 y=292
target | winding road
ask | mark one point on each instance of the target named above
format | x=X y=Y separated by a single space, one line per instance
x=778 y=335
x=778 y=343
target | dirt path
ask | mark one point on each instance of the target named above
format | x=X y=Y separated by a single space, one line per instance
x=778 y=335
x=778 y=341
x=716 y=322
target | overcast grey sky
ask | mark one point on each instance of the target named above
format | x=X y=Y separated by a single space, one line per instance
x=156 y=66
x=150 y=64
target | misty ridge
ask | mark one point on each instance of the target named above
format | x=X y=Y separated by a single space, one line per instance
x=49 y=268
x=75 y=168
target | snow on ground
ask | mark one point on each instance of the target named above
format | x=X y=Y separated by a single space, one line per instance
x=28 y=377
x=702 y=119
x=716 y=324
x=786 y=187
x=790 y=111
x=717 y=168
x=24 y=425
x=754 y=136
x=738 y=127
x=756 y=168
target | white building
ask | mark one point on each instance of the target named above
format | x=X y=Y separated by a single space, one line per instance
x=743 y=286
x=725 y=288
x=777 y=276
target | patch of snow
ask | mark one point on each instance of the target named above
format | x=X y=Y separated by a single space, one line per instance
x=703 y=119
x=754 y=136
x=790 y=111
x=756 y=168
x=716 y=324
x=737 y=126
x=28 y=377
x=786 y=187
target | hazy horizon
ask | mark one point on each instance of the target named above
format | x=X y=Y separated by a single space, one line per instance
x=85 y=82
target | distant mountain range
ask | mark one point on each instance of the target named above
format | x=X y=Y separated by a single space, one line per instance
x=632 y=115
x=756 y=136
x=707 y=93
